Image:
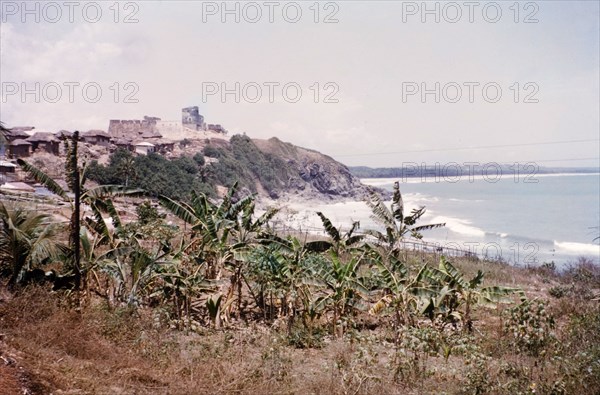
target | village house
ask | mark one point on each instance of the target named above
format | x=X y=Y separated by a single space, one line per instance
x=144 y=148
x=151 y=134
x=19 y=148
x=17 y=133
x=98 y=137
x=123 y=144
x=44 y=141
x=6 y=168
x=164 y=145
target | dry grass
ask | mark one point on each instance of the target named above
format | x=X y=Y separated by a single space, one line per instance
x=95 y=350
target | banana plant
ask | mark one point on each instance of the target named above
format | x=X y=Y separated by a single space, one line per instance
x=245 y=234
x=397 y=225
x=404 y=294
x=222 y=234
x=132 y=269
x=179 y=282
x=213 y=306
x=211 y=226
x=282 y=270
x=456 y=296
x=341 y=241
x=342 y=287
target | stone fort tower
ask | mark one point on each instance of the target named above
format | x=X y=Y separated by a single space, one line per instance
x=191 y=118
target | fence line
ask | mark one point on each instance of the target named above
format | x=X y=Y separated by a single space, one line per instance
x=422 y=247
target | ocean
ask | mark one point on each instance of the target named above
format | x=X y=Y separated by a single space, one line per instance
x=521 y=220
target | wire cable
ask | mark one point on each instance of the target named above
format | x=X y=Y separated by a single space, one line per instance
x=472 y=148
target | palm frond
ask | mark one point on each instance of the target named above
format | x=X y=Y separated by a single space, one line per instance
x=114 y=214
x=355 y=226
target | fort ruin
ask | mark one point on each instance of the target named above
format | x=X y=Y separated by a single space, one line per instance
x=191 y=125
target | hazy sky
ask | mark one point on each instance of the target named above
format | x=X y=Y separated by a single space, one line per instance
x=366 y=71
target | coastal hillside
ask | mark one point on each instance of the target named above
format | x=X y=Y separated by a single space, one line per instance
x=270 y=168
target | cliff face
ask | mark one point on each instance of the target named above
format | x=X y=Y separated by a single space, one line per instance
x=310 y=174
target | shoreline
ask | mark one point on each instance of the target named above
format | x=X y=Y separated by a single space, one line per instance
x=300 y=214
x=525 y=178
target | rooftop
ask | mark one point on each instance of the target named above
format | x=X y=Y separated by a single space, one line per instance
x=43 y=137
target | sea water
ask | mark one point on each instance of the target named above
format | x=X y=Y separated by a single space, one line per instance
x=524 y=221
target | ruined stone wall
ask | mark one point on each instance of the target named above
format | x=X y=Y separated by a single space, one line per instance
x=171 y=130
x=130 y=129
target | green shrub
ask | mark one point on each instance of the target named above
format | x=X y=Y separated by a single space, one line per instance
x=146 y=213
x=211 y=151
x=153 y=173
x=415 y=346
x=199 y=159
x=530 y=326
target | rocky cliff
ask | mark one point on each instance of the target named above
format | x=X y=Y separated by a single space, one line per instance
x=311 y=174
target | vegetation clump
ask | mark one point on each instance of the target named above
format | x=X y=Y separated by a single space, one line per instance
x=153 y=173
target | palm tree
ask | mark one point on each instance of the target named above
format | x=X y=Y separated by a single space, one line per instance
x=26 y=239
x=127 y=169
x=94 y=198
x=397 y=226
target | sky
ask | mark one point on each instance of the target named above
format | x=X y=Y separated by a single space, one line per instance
x=378 y=84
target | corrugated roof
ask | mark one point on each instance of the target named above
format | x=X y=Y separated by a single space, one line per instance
x=18 y=186
x=4 y=163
